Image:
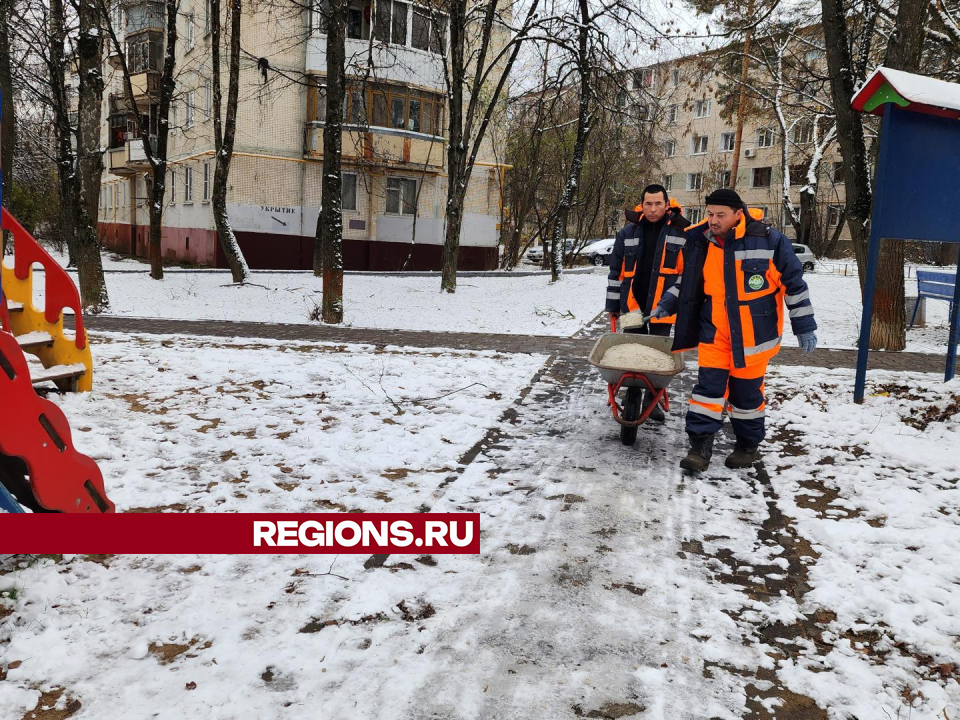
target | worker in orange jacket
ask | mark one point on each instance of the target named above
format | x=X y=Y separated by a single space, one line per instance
x=645 y=262
x=741 y=278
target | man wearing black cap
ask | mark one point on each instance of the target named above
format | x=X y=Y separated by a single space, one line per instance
x=730 y=305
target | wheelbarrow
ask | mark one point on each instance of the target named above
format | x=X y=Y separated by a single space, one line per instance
x=631 y=414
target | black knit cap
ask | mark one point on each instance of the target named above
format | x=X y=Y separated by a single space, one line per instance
x=725 y=196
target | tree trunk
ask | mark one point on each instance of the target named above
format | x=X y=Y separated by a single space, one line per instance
x=853 y=149
x=66 y=174
x=330 y=223
x=456 y=148
x=7 y=119
x=889 y=330
x=89 y=166
x=741 y=102
x=224 y=137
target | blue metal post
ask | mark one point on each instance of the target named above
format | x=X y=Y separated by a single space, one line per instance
x=866 y=322
x=954 y=337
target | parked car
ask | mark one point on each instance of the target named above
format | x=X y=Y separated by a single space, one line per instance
x=806 y=257
x=535 y=254
x=598 y=251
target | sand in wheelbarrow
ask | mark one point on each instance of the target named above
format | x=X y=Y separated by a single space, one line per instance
x=639 y=358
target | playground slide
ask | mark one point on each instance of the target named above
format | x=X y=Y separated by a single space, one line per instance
x=39 y=466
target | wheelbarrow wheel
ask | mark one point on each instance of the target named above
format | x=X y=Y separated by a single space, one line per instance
x=631 y=412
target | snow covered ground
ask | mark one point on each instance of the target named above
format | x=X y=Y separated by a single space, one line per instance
x=609 y=585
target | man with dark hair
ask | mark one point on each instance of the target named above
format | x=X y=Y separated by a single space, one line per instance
x=730 y=305
x=646 y=261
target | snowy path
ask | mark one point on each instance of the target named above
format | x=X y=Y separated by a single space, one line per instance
x=609 y=585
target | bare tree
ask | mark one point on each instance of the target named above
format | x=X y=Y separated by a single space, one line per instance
x=328 y=247
x=7 y=117
x=475 y=74
x=224 y=134
x=89 y=156
x=156 y=154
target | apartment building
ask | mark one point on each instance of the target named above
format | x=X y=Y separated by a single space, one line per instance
x=394 y=140
x=685 y=99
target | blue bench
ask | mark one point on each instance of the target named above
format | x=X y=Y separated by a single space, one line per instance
x=936 y=286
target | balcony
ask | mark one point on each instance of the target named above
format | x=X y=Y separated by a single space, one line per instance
x=384 y=147
x=129 y=159
x=391 y=63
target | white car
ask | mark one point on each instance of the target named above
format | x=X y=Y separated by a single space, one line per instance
x=806 y=257
x=535 y=254
x=598 y=251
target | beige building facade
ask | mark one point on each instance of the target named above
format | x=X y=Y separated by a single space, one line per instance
x=685 y=99
x=394 y=141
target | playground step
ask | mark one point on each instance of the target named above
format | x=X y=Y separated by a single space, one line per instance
x=33 y=340
x=14 y=306
x=57 y=373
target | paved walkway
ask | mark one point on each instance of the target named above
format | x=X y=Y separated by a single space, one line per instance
x=578 y=345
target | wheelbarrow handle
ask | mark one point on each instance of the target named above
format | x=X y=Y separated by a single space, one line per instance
x=613 y=323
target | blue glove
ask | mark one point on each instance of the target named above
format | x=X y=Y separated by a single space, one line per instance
x=659 y=313
x=808 y=341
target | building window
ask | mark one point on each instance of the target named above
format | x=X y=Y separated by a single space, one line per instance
x=188 y=110
x=390 y=106
x=723 y=178
x=672 y=113
x=401 y=196
x=701 y=108
x=668 y=183
x=700 y=143
x=646 y=78
x=188 y=184
x=390 y=22
x=207 y=181
x=354 y=23
x=761 y=177
x=727 y=141
x=208 y=98
x=144 y=52
x=838 y=173
x=764 y=138
x=207 y=18
x=670 y=148
x=675 y=77
x=189 y=35
x=694 y=181
x=172 y=195
x=833 y=215
x=348 y=191
x=694 y=214
x=803 y=132
x=429 y=31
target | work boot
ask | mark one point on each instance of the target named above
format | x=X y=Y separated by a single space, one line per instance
x=701 y=450
x=657 y=412
x=743 y=456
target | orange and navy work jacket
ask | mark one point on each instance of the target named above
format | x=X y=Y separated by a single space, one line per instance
x=625 y=261
x=741 y=288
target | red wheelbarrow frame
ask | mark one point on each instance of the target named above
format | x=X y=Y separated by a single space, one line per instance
x=659 y=396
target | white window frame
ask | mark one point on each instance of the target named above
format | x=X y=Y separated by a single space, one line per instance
x=669 y=148
x=190 y=39
x=187 y=185
x=646 y=78
x=697 y=141
x=733 y=142
x=694 y=214
x=402 y=205
x=208 y=98
x=765 y=138
x=172 y=194
x=356 y=192
x=207 y=182
x=702 y=108
x=691 y=185
x=188 y=109
x=830 y=211
x=803 y=133
x=673 y=112
x=675 y=77
x=668 y=183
